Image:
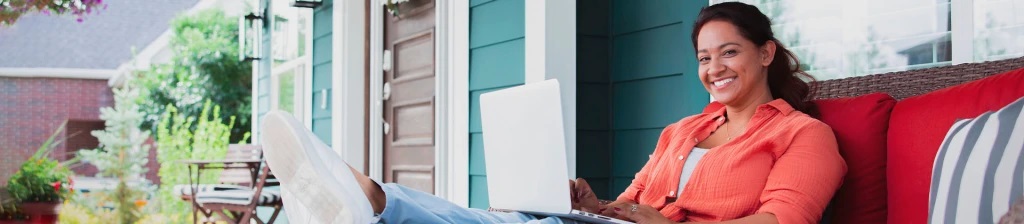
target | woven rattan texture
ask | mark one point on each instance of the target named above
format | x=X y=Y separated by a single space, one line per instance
x=905 y=84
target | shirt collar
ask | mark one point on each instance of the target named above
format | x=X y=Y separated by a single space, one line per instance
x=779 y=105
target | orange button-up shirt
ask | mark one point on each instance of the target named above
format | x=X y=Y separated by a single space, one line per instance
x=785 y=163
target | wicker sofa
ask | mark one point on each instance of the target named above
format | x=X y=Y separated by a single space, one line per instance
x=889 y=127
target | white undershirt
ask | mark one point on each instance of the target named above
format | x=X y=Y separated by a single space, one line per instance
x=691 y=163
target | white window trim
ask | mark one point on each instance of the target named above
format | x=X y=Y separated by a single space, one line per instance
x=453 y=97
x=347 y=82
x=307 y=81
x=376 y=118
x=551 y=54
x=962 y=34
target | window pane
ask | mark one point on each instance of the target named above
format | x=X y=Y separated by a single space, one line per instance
x=998 y=29
x=286 y=86
x=838 y=39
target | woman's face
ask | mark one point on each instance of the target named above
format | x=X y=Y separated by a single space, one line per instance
x=732 y=68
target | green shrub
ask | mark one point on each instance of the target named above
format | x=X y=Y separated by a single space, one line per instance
x=176 y=142
x=41 y=178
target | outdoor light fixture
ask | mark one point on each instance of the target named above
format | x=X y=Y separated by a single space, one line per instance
x=250 y=29
x=307 y=3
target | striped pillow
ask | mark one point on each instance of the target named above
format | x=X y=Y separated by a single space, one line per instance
x=978 y=169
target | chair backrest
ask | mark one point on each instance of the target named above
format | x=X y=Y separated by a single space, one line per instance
x=240 y=176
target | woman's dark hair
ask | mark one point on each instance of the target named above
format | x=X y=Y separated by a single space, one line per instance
x=784 y=73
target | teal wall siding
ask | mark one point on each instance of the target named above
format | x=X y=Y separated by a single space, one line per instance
x=653 y=80
x=593 y=93
x=322 y=47
x=263 y=67
x=496 y=61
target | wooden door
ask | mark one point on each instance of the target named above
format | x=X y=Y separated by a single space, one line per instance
x=409 y=105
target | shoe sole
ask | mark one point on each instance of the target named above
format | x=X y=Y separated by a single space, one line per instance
x=287 y=153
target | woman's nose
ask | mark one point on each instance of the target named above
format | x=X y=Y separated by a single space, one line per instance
x=715 y=67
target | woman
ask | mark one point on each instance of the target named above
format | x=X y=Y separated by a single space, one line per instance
x=758 y=159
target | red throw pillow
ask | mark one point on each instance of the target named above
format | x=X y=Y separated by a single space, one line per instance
x=860 y=124
x=916 y=129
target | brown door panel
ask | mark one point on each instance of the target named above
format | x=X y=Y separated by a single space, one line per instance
x=409 y=110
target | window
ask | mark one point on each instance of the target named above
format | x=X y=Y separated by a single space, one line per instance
x=290 y=68
x=837 y=39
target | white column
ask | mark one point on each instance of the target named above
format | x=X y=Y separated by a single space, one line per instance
x=551 y=54
x=455 y=63
x=962 y=35
x=347 y=82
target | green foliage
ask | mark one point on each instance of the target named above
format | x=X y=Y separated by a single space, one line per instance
x=205 y=67
x=123 y=153
x=42 y=179
x=176 y=142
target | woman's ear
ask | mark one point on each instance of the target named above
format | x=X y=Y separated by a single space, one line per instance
x=768 y=52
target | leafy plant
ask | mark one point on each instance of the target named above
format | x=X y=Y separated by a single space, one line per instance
x=205 y=66
x=41 y=178
x=122 y=153
x=176 y=142
x=11 y=10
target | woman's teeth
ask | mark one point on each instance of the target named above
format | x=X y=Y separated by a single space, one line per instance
x=721 y=83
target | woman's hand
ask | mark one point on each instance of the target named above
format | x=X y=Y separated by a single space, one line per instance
x=641 y=214
x=583 y=198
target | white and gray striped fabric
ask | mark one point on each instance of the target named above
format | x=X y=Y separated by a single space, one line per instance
x=238 y=197
x=186 y=190
x=979 y=169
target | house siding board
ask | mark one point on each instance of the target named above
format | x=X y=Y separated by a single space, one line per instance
x=476 y=155
x=478 y=197
x=497 y=65
x=478 y=2
x=497 y=59
x=593 y=91
x=632 y=16
x=496 y=21
x=322 y=78
x=592 y=59
x=655 y=103
x=653 y=79
x=654 y=52
x=592 y=112
x=263 y=68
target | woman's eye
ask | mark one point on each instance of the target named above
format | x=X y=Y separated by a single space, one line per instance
x=703 y=59
x=730 y=52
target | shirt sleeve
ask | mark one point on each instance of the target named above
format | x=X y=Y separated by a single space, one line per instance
x=640 y=180
x=805 y=176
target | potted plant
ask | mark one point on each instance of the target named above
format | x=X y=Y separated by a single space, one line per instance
x=41 y=184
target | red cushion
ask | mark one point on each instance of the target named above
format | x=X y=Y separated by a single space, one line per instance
x=916 y=129
x=860 y=124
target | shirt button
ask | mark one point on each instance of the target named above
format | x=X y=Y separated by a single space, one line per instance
x=671 y=193
x=721 y=118
x=680 y=157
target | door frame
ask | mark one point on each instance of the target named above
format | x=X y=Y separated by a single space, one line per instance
x=348 y=82
x=451 y=115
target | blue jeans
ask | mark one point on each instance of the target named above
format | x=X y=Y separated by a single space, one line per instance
x=405 y=205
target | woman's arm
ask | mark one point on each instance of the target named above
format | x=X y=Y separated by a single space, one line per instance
x=762 y=218
x=804 y=177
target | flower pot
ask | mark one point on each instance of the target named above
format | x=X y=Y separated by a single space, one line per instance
x=41 y=212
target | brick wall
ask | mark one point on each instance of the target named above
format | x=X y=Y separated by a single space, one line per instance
x=32 y=108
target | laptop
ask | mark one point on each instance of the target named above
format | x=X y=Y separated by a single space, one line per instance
x=524 y=152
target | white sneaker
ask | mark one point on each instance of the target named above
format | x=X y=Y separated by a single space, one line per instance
x=331 y=195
